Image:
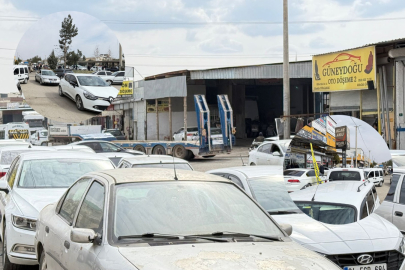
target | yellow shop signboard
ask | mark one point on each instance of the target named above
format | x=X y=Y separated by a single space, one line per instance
x=342 y=71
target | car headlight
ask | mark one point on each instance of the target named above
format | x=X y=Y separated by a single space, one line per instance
x=89 y=95
x=24 y=223
x=402 y=245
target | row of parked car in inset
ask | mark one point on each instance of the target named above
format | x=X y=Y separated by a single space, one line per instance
x=87 y=206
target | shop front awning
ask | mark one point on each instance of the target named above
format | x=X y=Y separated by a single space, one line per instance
x=298 y=139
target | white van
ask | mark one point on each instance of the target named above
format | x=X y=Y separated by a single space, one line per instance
x=21 y=73
x=375 y=175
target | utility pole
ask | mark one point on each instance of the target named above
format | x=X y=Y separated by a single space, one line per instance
x=286 y=75
x=356 y=146
x=369 y=159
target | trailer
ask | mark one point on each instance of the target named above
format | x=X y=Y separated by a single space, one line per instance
x=189 y=149
x=65 y=134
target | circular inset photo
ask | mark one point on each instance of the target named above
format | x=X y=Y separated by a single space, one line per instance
x=337 y=170
x=70 y=66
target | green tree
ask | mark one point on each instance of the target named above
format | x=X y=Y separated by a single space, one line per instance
x=34 y=59
x=17 y=61
x=84 y=58
x=66 y=33
x=52 y=60
x=336 y=159
x=73 y=58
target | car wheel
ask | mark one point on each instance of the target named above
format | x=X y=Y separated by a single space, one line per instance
x=42 y=261
x=381 y=184
x=41 y=82
x=190 y=155
x=179 y=151
x=252 y=164
x=140 y=148
x=60 y=91
x=25 y=81
x=159 y=150
x=79 y=103
x=109 y=82
x=211 y=156
x=7 y=265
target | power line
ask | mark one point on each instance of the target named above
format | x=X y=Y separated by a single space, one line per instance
x=360 y=134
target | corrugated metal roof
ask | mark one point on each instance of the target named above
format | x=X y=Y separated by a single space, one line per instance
x=273 y=71
x=398 y=40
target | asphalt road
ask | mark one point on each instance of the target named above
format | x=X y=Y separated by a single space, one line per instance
x=45 y=100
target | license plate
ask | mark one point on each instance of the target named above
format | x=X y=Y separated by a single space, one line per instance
x=381 y=266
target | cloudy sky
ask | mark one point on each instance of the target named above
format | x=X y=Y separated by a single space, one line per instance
x=367 y=138
x=165 y=35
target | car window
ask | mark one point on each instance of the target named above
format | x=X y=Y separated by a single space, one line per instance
x=94 y=145
x=72 y=199
x=371 y=174
x=92 y=81
x=26 y=70
x=101 y=73
x=311 y=173
x=363 y=210
x=72 y=79
x=16 y=71
x=381 y=173
x=265 y=148
x=92 y=209
x=293 y=173
x=109 y=147
x=344 y=175
x=109 y=73
x=236 y=180
x=275 y=148
x=402 y=194
x=21 y=70
x=393 y=186
x=329 y=213
x=370 y=202
x=13 y=172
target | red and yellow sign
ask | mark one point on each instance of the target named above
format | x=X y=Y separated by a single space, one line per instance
x=343 y=71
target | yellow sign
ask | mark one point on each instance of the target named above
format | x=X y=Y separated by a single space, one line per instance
x=330 y=140
x=343 y=71
x=315 y=166
x=126 y=88
x=18 y=134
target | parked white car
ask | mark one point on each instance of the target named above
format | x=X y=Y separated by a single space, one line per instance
x=216 y=136
x=96 y=68
x=375 y=175
x=393 y=206
x=154 y=161
x=69 y=147
x=269 y=153
x=103 y=74
x=7 y=155
x=296 y=179
x=146 y=218
x=46 y=77
x=40 y=137
x=373 y=236
x=346 y=174
x=79 y=67
x=192 y=134
x=88 y=91
x=115 y=78
x=116 y=157
x=21 y=73
x=34 y=180
x=100 y=146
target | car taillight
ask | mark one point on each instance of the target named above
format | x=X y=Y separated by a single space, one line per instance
x=2 y=174
x=363 y=179
x=190 y=134
x=293 y=181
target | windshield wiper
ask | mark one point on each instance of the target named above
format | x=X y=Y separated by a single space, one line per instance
x=236 y=234
x=282 y=212
x=170 y=236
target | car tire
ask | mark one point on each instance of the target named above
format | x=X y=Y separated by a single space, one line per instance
x=159 y=150
x=7 y=265
x=190 y=155
x=109 y=82
x=42 y=261
x=211 y=156
x=140 y=148
x=252 y=164
x=79 y=103
x=25 y=81
x=61 y=92
x=179 y=151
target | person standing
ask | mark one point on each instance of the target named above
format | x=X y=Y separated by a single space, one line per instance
x=260 y=138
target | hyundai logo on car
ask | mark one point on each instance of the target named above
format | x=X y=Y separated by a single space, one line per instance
x=365 y=259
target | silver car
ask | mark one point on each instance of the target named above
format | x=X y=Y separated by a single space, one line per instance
x=47 y=77
x=155 y=219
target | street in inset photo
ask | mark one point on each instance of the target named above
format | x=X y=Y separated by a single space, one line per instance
x=337 y=170
x=72 y=71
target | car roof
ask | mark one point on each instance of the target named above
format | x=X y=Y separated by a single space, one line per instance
x=79 y=142
x=62 y=154
x=252 y=171
x=26 y=148
x=346 y=169
x=343 y=192
x=300 y=169
x=136 y=175
x=146 y=159
x=399 y=169
x=84 y=74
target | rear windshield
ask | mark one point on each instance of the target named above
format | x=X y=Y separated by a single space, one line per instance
x=293 y=173
x=344 y=175
x=192 y=129
x=114 y=132
x=180 y=166
x=329 y=213
x=216 y=131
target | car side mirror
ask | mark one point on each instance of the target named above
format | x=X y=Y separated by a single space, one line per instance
x=79 y=235
x=287 y=228
x=277 y=154
x=3 y=185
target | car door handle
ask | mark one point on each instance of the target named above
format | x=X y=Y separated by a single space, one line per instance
x=67 y=244
x=47 y=229
x=399 y=214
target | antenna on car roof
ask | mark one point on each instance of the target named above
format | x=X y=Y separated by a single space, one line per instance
x=174 y=166
x=313 y=197
x=243 y=163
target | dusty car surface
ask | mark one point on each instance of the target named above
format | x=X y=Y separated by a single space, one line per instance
x=147 y=219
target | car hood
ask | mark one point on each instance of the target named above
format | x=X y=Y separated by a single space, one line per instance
x=261 y=255
x=102 y=91
x=32 y=200
x=369 y=234
x=49 y=77
x=134 y=152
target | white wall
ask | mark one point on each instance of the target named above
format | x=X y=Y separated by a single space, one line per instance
x=177 y=123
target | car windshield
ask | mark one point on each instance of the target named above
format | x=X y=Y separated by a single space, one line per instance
x=91 y=81
x=216 y=131
x=58 y=173
x=114 y=132
x=14 y=144
x=35 y=123
x=179 y=166
x=48 y=73
x=271 y=194
x=8 y=156
x=193 y=129
x=337 y=214
x=344 y=175
x=43 y=133
x=293 y=173
x=185 y=208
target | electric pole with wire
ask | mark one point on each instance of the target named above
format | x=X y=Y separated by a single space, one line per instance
x=286 y=75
